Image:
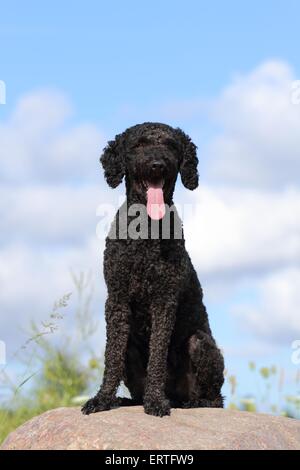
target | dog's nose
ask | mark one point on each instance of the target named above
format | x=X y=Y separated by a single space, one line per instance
x=157 y=166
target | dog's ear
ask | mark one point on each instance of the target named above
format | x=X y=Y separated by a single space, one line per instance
x=113 y=161
x=188 y=166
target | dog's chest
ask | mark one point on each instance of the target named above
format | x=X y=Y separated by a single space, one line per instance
x=153 y=266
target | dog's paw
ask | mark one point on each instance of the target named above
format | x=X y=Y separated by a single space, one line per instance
x=157 y=407
x=94 y=405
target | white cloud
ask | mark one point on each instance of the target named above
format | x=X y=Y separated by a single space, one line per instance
x=32 y=278
x=50 y=214
x=51 y=188
x=235 y=232
x=276 y=315
x=250 y=239
x=38 y=144
x=247 y=226
x=259 y=141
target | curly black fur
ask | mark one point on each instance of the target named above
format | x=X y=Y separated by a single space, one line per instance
x=158 y=337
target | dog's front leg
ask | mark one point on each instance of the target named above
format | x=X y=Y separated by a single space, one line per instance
x=117 y=327
x=163 y=319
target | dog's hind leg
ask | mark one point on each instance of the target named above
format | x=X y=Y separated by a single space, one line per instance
x=206 y=372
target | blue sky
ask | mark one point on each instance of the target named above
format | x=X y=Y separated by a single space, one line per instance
x=77 y=73
x=105 y=54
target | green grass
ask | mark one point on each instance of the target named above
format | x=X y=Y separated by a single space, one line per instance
x=60 y=382
x=269 y=394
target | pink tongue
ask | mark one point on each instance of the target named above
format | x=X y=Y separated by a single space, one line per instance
x=155 y=203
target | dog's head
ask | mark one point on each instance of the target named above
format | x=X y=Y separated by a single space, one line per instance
x=151 y=155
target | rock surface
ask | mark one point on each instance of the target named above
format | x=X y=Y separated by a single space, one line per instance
x=130 y=428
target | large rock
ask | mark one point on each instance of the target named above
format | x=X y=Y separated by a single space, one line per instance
x=130 y=428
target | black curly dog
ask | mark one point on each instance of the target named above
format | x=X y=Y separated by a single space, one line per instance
x=158 y=337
